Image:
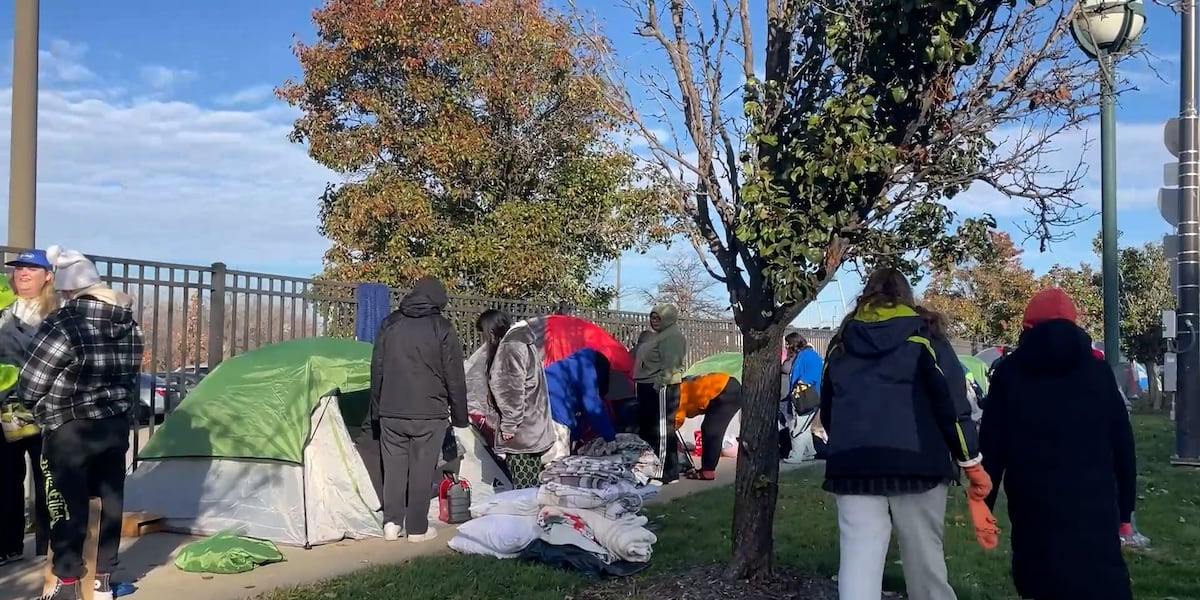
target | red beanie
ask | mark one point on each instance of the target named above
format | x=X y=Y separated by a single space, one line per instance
x=1047 y=305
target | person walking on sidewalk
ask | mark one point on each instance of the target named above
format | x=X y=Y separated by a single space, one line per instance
x=32 y=281
x=417 y=383
x=81 y=382
x=1056 y=419
x=895 y=433
x=658 y=368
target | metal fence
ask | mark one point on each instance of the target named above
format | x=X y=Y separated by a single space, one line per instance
x=195 y=316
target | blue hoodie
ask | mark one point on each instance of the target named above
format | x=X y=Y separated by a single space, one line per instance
x=807 y=368
x=574 y=390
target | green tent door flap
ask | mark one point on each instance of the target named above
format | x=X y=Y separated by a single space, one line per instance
x=258 y=405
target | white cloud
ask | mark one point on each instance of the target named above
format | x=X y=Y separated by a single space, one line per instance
x=122 y=175
x=63 y=62
x=160 y=78
x=256 y=94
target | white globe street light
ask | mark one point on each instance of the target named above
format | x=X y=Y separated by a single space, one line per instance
x=1108 y=26
x=1103 y=28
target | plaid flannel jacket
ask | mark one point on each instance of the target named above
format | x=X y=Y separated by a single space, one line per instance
x=83 y=364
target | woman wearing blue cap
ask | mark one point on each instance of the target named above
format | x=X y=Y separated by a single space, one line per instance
x=32 y=279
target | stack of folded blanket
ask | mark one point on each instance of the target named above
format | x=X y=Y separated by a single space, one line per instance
x=584 y=516
x=631 y=450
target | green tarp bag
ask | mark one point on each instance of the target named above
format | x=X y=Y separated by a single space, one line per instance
x=226 y=553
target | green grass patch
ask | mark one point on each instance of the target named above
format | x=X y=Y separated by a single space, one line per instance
x=695 y=531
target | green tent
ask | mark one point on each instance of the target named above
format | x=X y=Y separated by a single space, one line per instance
x=977 y=368
x=261 y=447
x=258 y=405
x=721 y=362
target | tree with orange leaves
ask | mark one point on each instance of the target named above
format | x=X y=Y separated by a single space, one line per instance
x=984 y=299
x=478 y=148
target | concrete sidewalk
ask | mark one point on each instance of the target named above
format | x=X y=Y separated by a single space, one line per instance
x=149 y=560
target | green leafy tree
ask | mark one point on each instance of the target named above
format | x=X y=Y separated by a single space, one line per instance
x=864 y=118
x=1083 y=285
x=477 y=147
x=1145 y=292
x=985 y=297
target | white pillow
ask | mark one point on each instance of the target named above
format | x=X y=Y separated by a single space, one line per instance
x=502 y=536
x=513 y=502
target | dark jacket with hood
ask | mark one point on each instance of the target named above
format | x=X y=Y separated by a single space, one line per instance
x=888 y=407
x=417 y=365
x=1056 y=420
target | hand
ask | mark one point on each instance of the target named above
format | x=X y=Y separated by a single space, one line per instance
x=506 y=436
x=980 y=483
x=986 y=531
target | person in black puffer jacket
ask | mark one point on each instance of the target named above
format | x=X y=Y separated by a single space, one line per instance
x=1056 y=420
x=418 y=388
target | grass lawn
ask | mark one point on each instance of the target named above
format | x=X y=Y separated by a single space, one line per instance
x=695 y=530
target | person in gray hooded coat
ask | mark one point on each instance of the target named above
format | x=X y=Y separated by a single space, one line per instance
x=517 y=381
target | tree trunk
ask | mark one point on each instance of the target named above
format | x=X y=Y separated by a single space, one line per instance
x=1155 y=392
x=757 y=483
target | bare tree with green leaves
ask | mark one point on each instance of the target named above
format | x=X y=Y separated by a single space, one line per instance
x=820 y=134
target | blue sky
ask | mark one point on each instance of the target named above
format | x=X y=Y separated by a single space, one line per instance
x=160 y=138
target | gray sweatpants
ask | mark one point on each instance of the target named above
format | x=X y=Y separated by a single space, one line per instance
x=410 y=450
x=865 y=530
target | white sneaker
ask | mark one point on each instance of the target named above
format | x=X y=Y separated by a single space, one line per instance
x=392 y=532
x=430 y=534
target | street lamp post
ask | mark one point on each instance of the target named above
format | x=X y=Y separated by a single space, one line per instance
x=1103 y=28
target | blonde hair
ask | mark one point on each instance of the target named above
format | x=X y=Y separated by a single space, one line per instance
x=47 y=297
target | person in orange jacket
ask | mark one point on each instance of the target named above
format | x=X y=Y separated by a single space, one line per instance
x=718 y=397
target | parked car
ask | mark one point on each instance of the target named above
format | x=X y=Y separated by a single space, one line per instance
x=181 y=383
x=201 y=370
x=154 y=397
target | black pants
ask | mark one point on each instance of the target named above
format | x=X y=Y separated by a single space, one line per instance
x=12 y=496
x=410 y=450
x=716 y=421
x=649 y=422
x=85 y=458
